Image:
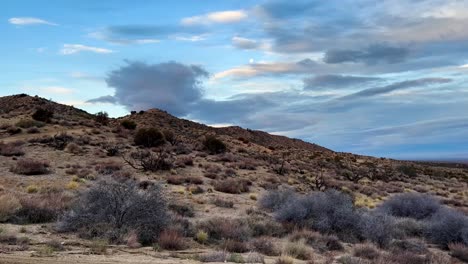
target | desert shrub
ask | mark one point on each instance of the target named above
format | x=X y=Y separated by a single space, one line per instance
x=9 y=205
x=11 y=149
x=59 y=141
x=448 y=226
x=235 y=246
x=234 y=186
x=284 y=260
x=33 y=130
x=408 y=170
x=377 y=228
x=171 y=240
x=41 y=209
x=184 y=161
x=55 y=245
x=128 y=124
x=330 y=212
x=14 y=130
x=275 y=199
x=410 y=245
x=214 y=145
x=223 y=203
x=459 y=251
x=178 y=180
x=150 y=160
x=265 y=246
x=298 y=250
x=30 y=167
x=366 y=251
x=170 y=137
x=110 y=209
x=98 y=247
x=108 y=167
x=254 y=257
x=225 y=228
x=409 y=227
x=29 y=123
x=74 y=148
x=405 y=258
x=43 y=115
x=102 y=118
x=182 y=209
x=260 y=226
x=350 y=260
x=201 y=237
x=149 y=137
x=220 y=256
x=412 y=205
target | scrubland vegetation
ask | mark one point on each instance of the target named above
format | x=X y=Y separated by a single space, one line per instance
x=152 y=183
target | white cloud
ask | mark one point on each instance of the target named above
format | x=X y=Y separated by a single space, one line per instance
x=231 y=16
x=69 y=49
x=29 y=21
x=193 y=38
x=50 y=90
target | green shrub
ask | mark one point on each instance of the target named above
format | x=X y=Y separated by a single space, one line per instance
x=102 y=118
x=43 y=115
x=214 y=145
x=128 y=124
x=149 y=137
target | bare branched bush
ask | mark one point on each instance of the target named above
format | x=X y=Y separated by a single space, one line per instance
x=110 y=209
x=234 y=186
x=161 y=159
x=411 y=205
x=448 y=226
x=214 y=145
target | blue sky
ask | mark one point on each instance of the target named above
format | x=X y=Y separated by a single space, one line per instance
x=382 y=78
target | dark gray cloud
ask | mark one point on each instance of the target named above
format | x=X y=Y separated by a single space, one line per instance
x=170 y=86
x=335 y=81
x=377 y=53
x=398 y=86
x=109 y=99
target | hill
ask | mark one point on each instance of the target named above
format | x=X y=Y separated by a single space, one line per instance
x=152 y=187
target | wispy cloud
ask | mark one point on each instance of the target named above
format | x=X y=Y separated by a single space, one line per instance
x=69 y=49
x=23 y=21
x=222 y=17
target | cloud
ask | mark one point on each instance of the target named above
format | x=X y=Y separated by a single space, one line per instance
x=398 y=86
x=85 y=77
x=335 y=81
x=69 y=49
x=377 y=53
x=171 y=86
x=267 y=68
x=222 y=17
x=107 y=99
x=244 y=43
x=23 y=21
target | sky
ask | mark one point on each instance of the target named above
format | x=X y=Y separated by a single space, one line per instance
x=380 y=78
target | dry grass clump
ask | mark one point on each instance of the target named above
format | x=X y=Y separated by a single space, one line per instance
x=171 y=240
x=11 y=149
x=265 y=245
x=225 y=229
x=235 y=246
x=284 y=260
x=30 y=167
x=233 y=186
x=74 y=148
x=9 y=205
x=459 y=251
x=108 y=167
x=366 y=251
x=41 y=208
x=220 y=256
x=298 y=250
x=178 y=180
x=223 y=203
